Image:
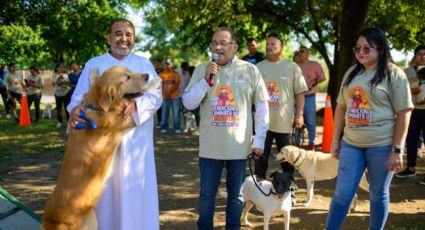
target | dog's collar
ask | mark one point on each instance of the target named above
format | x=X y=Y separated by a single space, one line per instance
x=90 y=106
x=299 y=158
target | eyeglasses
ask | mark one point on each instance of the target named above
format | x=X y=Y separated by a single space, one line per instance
x=365 y=50
x=221 y=43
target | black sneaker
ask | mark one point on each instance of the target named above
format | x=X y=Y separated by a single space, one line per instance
x=406 y=173
x=422 y=182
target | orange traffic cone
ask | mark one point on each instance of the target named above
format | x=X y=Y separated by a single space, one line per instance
x=24 y=117
x=328 y=127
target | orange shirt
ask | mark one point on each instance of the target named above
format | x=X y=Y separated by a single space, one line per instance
x=170 y=83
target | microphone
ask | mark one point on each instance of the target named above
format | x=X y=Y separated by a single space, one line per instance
x=214 y=58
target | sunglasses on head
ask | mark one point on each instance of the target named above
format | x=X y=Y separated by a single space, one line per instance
x=365 y=50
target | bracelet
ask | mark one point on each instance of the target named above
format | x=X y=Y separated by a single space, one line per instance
x=299 y=116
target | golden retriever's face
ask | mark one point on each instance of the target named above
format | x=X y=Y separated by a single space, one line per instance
x=116 y=85
x=288 y=153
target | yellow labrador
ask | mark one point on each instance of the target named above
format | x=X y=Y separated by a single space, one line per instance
x=314 y=166
x=89 y=152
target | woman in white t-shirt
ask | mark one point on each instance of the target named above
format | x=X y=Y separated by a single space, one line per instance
x=371 y=120
x=62 y=89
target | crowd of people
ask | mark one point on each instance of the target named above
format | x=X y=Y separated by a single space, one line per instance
x=13 y=84
x=233 y=99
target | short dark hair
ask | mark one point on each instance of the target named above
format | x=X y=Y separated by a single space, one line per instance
x=184 y=65
x=120 y=20
x=12 y=64
x=232 y=34
x=35 y=68
x=419 y=47
x=251 y=39
x=275 y=35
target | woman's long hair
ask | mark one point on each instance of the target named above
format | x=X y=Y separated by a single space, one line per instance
x=375 y=37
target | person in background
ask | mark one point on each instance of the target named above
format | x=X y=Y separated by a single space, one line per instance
x=159 y=67
x=3 y=74
x=73 y=76
x=14 y=85
x=417 y=120
x=371 y=120
x=313 y=75
x=285 y=86
x=170 y=94
x=129 y=200
x=226 y=125
x=34 y=84
x=184 y=74
x=253 y=56
x=61 y=88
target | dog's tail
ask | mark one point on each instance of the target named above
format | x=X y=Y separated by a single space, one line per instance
x=364 y=184
x=223 y=194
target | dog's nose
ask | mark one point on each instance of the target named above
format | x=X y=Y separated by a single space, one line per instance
x=146 y=77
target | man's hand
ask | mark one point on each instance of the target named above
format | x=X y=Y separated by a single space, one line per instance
x=212 y=68
x=335 y=149
x=298 y=121
x=74 y=117
x=257 y=153
x=130 y=108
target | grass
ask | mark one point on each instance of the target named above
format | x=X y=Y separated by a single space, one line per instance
x=40 y=138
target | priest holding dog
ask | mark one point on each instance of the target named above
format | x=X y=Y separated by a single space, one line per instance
x=130 y=197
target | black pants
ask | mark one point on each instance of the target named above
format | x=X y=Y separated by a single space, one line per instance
x=36 y=98
x=5 y=101
x=417 y=124
x=62 y=102
x=261 y=165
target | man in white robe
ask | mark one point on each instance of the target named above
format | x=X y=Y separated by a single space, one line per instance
x=130 y=198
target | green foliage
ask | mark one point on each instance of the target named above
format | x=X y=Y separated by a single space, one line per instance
x=59 y=30
x=22 y=44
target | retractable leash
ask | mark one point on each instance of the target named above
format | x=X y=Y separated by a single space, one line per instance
x=250 y=158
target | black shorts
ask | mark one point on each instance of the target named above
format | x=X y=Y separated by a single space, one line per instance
x=15 y=95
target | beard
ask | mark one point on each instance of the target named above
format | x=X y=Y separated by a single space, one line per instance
x=121 y=51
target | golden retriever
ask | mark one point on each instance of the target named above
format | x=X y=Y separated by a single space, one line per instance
x=89 y=152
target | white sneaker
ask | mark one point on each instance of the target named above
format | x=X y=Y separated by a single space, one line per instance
x=59 y=125
x=419 y=153
x=163 y=131
x=8 y=116
x=177 y=131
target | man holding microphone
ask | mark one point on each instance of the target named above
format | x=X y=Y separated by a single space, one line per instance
x=226 y=124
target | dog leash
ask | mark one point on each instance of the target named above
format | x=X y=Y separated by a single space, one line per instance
x=89 y=123
x=250 y=157
x=298 y=131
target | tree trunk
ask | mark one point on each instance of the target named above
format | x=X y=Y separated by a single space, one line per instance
x=352 y=20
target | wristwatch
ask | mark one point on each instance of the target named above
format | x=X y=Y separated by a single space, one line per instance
x=397 y=149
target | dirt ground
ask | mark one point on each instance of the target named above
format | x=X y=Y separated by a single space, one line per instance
x=31 y=179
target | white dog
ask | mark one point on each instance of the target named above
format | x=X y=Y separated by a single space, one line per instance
x=278 y=203
x=47 y=111
x=315 y=166
x=189 y=121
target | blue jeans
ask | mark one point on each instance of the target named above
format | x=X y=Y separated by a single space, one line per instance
x=352 y=164
x=173 y=104
x=309 y=119
x=210 y=170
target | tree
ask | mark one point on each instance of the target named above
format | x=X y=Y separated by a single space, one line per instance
x=331 y=27
x=69 y=30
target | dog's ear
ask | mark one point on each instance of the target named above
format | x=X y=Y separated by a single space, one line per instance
x=106 y=99
x=93 y=75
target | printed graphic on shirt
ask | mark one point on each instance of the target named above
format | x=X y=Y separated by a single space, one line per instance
x=359 y=113
x=224 y=110
x=274 y=93
x=168 y=84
